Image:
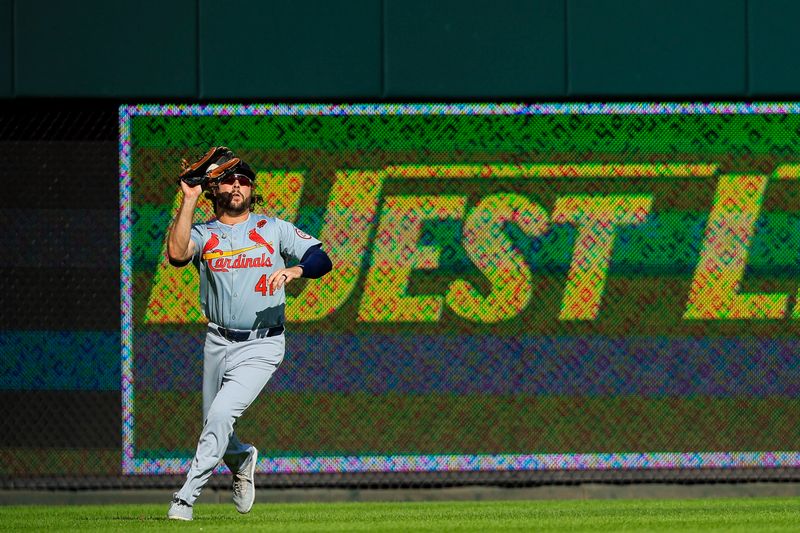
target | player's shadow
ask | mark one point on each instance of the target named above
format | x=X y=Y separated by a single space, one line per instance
x=269 y=317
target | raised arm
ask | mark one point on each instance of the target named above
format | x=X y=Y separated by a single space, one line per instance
x=180 y=247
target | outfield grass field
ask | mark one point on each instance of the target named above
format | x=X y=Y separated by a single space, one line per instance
x=729 y=514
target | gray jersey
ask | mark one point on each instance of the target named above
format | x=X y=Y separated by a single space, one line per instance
x=235 y=262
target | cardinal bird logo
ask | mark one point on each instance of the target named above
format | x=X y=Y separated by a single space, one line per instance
x=258 y=239
x=211 y=244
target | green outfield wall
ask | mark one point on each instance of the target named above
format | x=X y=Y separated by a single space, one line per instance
x=399 y=49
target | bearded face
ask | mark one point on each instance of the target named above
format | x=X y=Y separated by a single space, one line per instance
x=234 y=196
x=234 y=203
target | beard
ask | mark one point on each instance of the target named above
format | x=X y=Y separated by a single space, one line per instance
x=233 y=205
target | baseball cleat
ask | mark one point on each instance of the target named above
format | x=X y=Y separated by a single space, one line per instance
x=179 y=510
x=244 y=487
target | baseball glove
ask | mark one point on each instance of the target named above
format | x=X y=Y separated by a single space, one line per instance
x=196 y=173
x=226 y=167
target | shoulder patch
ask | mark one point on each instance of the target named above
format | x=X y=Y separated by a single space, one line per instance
x=261 y=223
x=301 y=234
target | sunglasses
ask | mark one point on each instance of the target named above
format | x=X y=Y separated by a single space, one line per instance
x=244 y=181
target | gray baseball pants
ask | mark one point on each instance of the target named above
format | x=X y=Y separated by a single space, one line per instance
x=233 y=375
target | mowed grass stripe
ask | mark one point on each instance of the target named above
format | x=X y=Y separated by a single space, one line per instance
x=735 y=514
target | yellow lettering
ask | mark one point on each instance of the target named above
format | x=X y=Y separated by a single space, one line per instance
x=396 y=253
x=596 y=218
x=494 y=254
x=351 y=213
x=718 y=277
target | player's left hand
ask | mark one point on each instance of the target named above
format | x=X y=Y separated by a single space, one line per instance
x=281 y=277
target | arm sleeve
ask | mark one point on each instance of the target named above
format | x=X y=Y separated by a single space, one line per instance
x=315 y=263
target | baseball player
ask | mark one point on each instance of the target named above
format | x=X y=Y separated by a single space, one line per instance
x=240 y=257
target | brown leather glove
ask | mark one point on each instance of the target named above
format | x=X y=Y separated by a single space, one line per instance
x=196 y=173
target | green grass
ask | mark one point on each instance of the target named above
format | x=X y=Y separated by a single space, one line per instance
x=752 y=514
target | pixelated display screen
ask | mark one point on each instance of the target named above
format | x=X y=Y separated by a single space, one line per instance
x=513 y=287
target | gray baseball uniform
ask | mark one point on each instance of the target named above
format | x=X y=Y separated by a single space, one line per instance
x=244 y=343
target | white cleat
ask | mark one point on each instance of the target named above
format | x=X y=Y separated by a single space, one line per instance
x=244 y=487
x=179 y=510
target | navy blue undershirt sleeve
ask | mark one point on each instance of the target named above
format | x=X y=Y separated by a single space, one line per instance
x=315 y=263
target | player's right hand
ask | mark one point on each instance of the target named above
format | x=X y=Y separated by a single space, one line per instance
x=189 y=192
